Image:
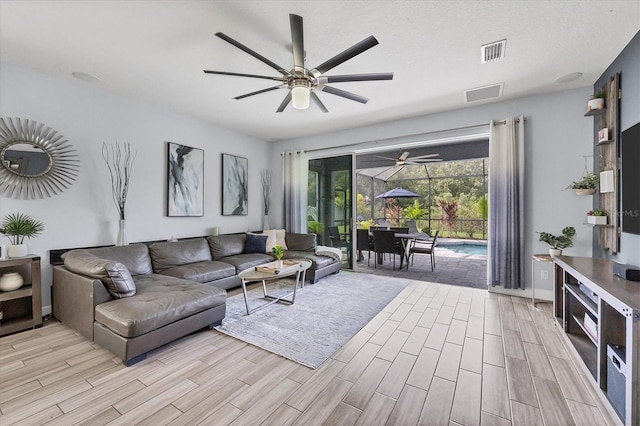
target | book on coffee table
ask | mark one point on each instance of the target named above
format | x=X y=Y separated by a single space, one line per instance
x=271 y=268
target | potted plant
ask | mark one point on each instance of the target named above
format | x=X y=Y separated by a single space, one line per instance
x=278 y=252
x=597 y=217
x=557 y=243
x=596 y=102
x=586 y=185
x=17 y=227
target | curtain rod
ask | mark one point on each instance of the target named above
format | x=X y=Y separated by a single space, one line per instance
x=377 y=141
x=495 y=123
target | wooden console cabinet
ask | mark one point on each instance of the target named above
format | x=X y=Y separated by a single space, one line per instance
x=21 y=308
x=599 y=310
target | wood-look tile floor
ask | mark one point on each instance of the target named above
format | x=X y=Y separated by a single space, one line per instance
x=436 y=355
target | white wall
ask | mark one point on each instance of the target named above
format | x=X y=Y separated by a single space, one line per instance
x=557 y=135
x=84 y=215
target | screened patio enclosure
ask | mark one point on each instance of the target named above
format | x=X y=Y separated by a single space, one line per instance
x=453 y=193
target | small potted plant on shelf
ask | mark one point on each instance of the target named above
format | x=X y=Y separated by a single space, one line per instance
x=586 y=185
x=597 y=217
x=17 y=227
x=559 y=242
x=278 y=252
x=596 y=102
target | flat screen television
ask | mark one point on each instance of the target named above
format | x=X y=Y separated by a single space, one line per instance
x=630 y=180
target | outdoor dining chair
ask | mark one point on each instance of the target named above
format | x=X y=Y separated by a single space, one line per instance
x=339 y=240
x=424 y=247
x=384 y=223
x=385 y=242
x=364 y=243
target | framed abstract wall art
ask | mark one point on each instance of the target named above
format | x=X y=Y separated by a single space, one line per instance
x=235 y=185
x=185 y=189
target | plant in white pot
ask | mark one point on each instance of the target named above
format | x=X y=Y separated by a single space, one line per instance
x=278 y=252
x=597 y=217
x=587 y=185
x=559 y=242
x=596 y=102
x=17 y=227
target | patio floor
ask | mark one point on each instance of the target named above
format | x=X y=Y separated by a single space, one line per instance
x=466 y=270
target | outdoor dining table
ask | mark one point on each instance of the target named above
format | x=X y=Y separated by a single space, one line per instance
x=405 y=243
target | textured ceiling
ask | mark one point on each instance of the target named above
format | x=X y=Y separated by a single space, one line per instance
x=155 y=51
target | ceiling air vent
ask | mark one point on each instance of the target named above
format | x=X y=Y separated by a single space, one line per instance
x=482 y=93
x=492 y=51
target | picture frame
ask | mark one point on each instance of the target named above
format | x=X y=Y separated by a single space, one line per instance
x=235 y=185
x=185 y=180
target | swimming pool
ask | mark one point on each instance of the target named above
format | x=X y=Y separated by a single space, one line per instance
x=467 y=248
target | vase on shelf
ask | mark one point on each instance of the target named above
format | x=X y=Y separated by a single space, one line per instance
x=265 y=222
x=597 y=220
x=122 y=233
x=555 y=252
x=585 y=191
x=11 y=281
x=17 y=250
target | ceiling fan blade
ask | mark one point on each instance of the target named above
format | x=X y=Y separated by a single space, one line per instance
x=386 y=158
x=237 y=74
x=354 y=50
x=345 y=94
x=404 y=156
x=285 y=102
x=359 y=77
x=258 y=92
x=297 y=40
x=253 y=53
x=433 y=160
x=318 y=102
x=417 y=157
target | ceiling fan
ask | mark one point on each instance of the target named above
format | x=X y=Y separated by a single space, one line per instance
x=404 y=159
x=302 y=82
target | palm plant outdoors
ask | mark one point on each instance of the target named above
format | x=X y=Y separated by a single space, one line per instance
x=18 y=226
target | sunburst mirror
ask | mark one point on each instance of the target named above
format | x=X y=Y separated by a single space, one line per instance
x=37 y=162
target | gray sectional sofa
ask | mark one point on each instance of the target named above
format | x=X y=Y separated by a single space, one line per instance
x=132 y=299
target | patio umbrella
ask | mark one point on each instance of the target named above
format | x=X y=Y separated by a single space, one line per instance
x=397 y=193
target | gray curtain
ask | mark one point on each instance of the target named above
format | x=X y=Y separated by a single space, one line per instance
x=506 y=203
x=295 y=175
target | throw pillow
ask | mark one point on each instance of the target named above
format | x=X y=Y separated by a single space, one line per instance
x=255 y=243
x=280 y=240
x=271 y=240
x=120 y=283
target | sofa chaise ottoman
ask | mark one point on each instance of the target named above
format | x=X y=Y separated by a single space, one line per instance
x=112 y=296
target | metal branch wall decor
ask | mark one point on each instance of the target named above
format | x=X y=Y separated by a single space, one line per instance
x=36 y=161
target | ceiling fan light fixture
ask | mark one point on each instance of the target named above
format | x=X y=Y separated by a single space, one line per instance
x=300 y=96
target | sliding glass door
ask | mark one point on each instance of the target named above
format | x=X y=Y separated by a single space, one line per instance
x=329 y=211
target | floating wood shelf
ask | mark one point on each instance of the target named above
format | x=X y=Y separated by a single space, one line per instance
x=595 y=112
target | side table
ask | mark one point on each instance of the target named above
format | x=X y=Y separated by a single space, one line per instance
x=537 y=258
x=22 y=308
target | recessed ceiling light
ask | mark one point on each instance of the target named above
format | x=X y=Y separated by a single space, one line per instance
x=85 y=77
x=569 y=77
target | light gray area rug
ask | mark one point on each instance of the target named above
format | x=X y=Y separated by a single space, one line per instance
x=324 y=316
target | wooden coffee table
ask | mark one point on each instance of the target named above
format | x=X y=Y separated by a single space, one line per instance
x=252 y=275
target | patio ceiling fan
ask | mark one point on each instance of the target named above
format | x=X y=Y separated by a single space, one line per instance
x=302 y=83
x=404 y=159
